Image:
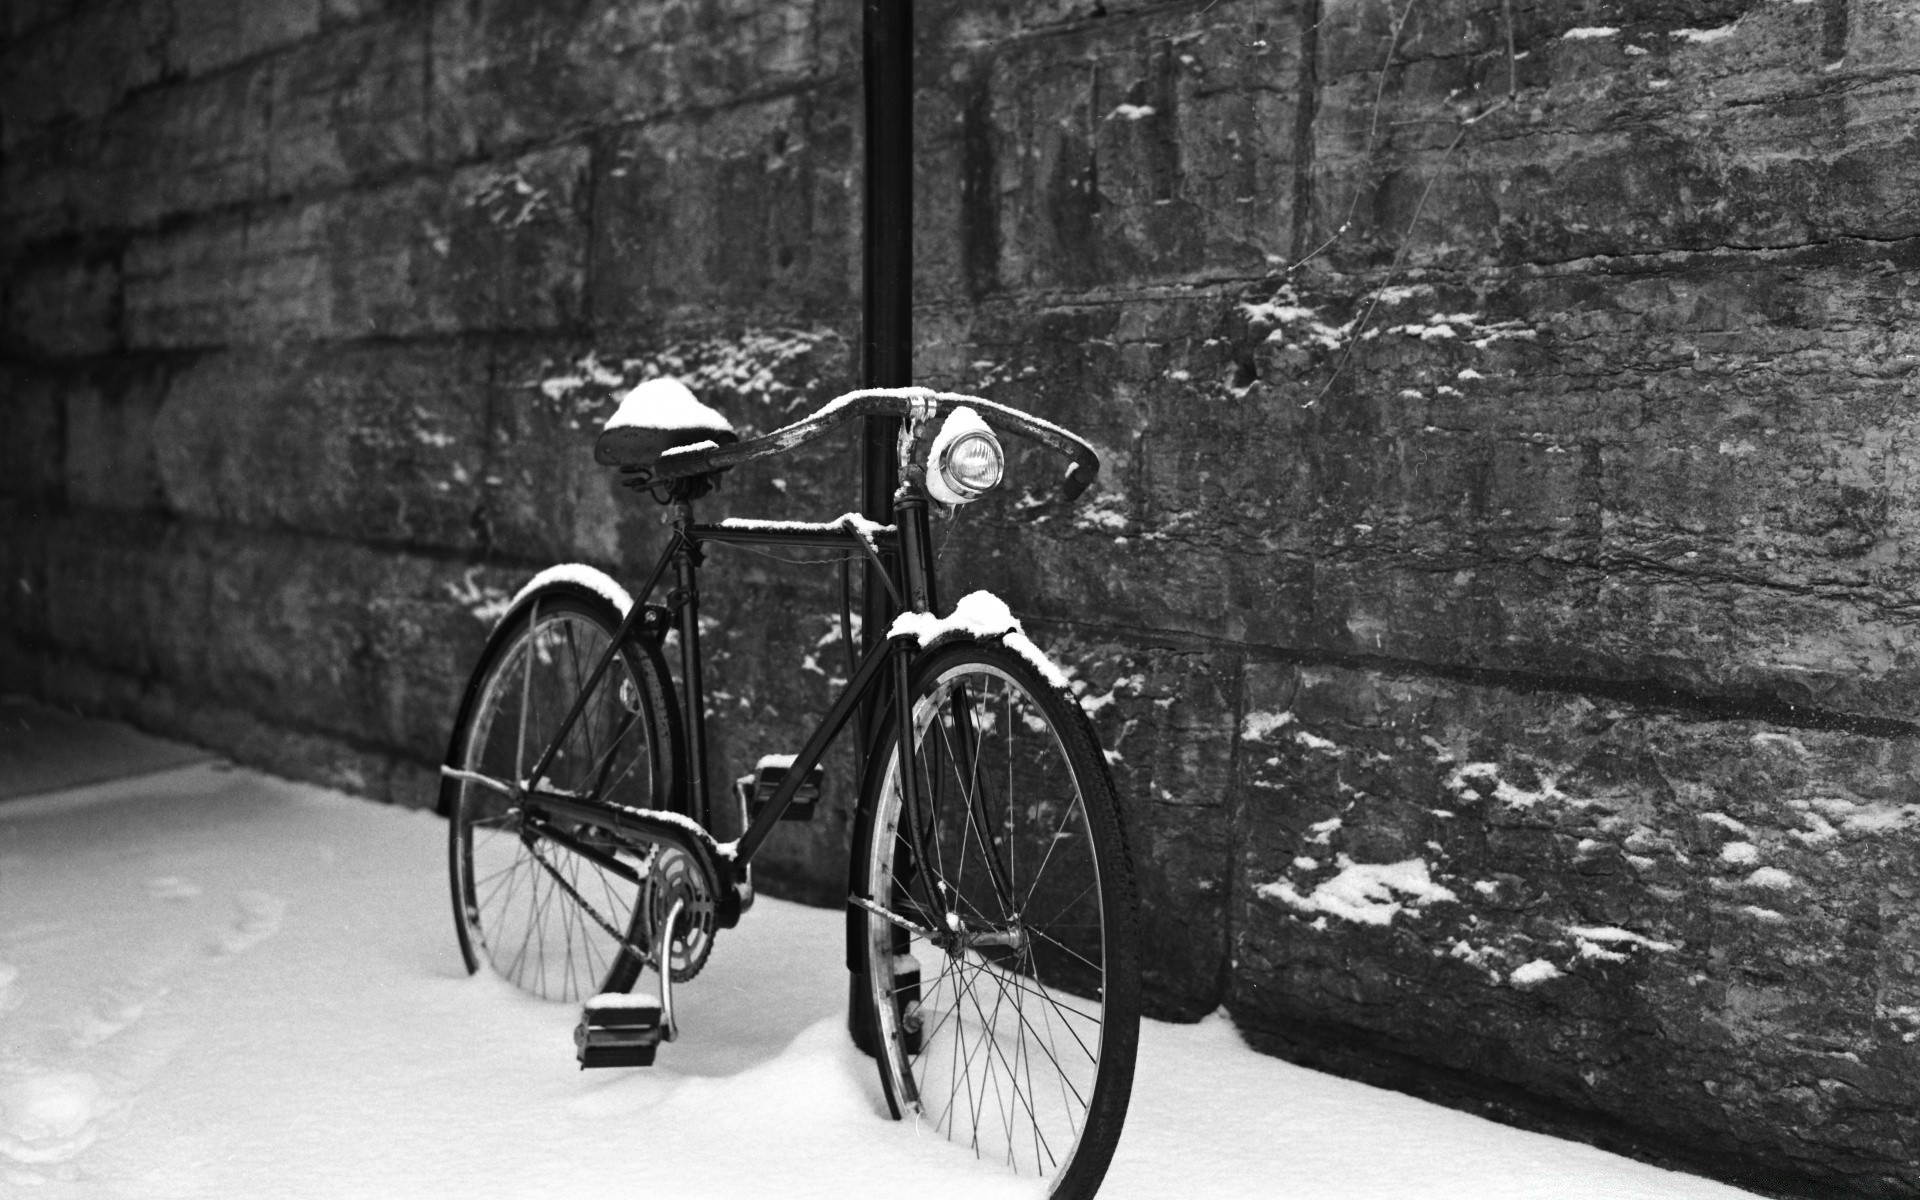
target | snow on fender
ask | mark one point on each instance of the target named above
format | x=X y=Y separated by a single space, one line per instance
x=980 y=616
x=591 y=578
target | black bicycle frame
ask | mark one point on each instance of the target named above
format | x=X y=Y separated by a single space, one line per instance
x=899 y=553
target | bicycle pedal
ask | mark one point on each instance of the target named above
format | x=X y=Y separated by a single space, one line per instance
x=756 y=789
x=618 y=1030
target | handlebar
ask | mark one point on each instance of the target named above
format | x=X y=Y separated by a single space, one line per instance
x=886 y=402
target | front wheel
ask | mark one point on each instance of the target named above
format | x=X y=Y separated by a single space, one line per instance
x=997 y=919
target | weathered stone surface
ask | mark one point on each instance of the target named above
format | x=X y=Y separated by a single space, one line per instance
x=496 y=247
x=109 y=453
x=507 y=72
x=79 y=66
x=201 y=144
x=1135 y=151
x=366 y=647
x=749 y=210
x=1617 y=906
x=1166 y=718
x=209 y=34
x=378 y=443
x=354 y=106
x=62 y=307
x=31 y=452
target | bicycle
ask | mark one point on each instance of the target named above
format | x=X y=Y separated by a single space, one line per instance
x=991 y=910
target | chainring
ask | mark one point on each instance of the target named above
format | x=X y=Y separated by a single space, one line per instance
x=673 y=875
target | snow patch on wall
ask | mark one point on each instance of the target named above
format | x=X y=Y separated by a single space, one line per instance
x=1468 y=780
x=1365 y=893
x=509 y=201
x=1613 y=935
x=1255 y=726
x=1703 y=36
x=1315 y=742
x=1294 y=322
x=487 y=603
x=1771 y=877
x=1532 y=974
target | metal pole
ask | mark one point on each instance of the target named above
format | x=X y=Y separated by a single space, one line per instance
x=886 y=343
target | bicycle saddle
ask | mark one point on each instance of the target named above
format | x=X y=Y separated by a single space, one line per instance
x=658 y=416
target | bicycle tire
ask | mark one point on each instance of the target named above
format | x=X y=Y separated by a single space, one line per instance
x=537 y=903
x=1062 y=900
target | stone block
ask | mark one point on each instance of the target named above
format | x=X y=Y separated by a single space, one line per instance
x=1141 y=151
x=31 y=414
x=78 y=65
x=64 y=306
x=109 y=454
x=100 y=603
x=209 y=34
x=1166 y=720
x=513 y=254
x=349 y=106
x=41 y=183
x=189 y=147
x=509 y=72
x=377 y=442
x=1657 y=135
x=1614 y=905
x=25 y=16
x=749 y=210
x=494 y=247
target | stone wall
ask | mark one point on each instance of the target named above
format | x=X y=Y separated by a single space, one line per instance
x=1498 y=596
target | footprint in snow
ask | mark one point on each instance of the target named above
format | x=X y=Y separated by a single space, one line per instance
x=117 y=1010
x=259 y=919
x=172 y=887
x=49 y=1118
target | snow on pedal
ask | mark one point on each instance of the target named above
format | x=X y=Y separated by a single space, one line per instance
x=48 y=1118
x=618 y=1030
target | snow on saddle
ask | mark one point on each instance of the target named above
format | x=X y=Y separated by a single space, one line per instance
x=658 y=416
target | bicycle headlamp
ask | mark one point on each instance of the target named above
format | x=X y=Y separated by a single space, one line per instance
x=965 y=460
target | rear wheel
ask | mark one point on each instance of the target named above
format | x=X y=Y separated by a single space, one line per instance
x=552 y=905
x=999 y=923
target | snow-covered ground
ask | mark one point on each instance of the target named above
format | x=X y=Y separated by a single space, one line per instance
x=218 y=984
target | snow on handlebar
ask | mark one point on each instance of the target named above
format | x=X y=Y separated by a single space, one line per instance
x=699 y=459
